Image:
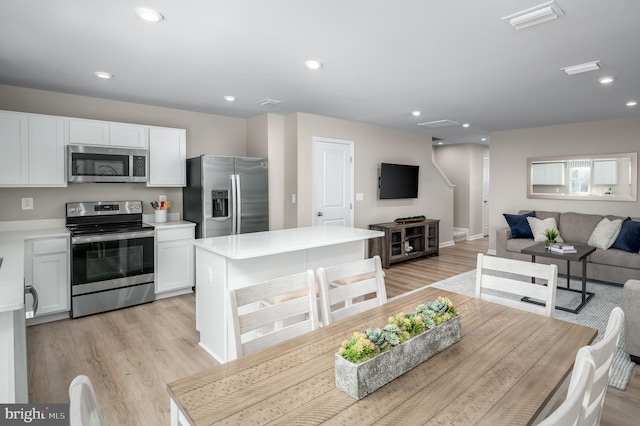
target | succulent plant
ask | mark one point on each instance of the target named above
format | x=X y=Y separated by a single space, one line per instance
x=401 y=327
x=376 y=336
x=438 y=306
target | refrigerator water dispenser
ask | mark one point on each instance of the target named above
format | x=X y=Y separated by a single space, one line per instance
x=220 y=203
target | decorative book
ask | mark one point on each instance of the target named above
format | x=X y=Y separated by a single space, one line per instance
x=563 y=248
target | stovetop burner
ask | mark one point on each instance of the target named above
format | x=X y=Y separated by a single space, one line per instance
x=105 y=217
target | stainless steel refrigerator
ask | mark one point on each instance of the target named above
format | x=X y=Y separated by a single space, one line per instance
x=226 y=195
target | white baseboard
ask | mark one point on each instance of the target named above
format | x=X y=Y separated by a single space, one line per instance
x=447 y=244
x=475 y=237
x=173 y=293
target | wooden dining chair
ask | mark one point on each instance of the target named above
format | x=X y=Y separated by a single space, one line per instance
x=258 y=325
x=507 y=281
x=603 y=352
x=83 y=405
x=351 y=288
x=573 y=409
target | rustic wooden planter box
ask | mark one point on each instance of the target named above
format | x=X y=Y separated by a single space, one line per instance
x=359 y=380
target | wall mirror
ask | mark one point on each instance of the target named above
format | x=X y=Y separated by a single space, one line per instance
x=602 y=177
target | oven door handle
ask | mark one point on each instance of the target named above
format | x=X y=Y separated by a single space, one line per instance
x=111 y=237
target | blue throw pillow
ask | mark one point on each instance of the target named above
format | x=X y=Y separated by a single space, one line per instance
x=629 y=237
x=519 y=226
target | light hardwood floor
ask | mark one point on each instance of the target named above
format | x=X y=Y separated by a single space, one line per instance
x=130 y=355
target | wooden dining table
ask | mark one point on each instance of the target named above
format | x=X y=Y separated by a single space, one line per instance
x=507 y=368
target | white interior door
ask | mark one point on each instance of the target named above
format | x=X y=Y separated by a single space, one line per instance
x=332 y=181
x=485 y=196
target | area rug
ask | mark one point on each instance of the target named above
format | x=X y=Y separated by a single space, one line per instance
x=595 y=314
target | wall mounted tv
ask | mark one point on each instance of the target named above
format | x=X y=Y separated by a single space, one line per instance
x=398 y=181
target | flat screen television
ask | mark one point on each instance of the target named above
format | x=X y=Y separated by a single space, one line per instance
x=398 y=181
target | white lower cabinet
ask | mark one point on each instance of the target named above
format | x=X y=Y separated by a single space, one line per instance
x=47 y=270
x=175 y=265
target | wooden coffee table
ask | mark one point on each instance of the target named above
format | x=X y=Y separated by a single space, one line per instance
x=581 y=256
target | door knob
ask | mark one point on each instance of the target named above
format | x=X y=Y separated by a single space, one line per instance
x=319 y=213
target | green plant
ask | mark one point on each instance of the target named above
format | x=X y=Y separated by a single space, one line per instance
x=551 y=234
x=400 y=328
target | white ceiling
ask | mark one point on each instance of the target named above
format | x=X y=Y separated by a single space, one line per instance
x=453 y=60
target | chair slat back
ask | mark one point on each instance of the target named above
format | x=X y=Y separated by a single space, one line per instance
x=603 y=352
x=343 y=289
x=258 y=325
x=83 y=405
x=573 y=409
x=510 y=280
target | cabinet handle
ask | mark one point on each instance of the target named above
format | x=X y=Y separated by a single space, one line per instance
x=31 y=289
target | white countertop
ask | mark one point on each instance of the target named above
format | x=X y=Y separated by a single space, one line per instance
x=257 y=244
x=171 y=224
x=12 y=269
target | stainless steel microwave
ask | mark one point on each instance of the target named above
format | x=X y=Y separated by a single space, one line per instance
x=105 y=164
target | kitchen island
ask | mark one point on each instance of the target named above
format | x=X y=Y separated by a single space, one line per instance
x=224 y=263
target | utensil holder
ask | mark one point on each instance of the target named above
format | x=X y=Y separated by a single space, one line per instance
x=161 y=215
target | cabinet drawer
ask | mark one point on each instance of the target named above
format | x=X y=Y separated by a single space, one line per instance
x=175 y=234
x=54 y=245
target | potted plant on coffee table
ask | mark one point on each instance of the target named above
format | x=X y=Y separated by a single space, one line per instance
x=551 y=234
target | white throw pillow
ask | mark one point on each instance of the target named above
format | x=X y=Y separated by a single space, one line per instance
x=539 y=226
x=605 y=233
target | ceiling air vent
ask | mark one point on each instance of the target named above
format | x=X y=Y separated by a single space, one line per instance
x=267 y=103
x=439 y=123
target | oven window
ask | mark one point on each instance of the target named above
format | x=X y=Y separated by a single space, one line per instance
x=108 y=260
x=83 y=164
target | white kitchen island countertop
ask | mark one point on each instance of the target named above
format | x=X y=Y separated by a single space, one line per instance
x=259 y=244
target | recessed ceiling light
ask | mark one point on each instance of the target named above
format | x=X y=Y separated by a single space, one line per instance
x=631 y=103
x=440 y=143
x=606 y=80
x=149 y=15
x=483 y=139
x=577 y=69
x=416 y=113
x=465 y=125
x=104 y=75
x=313 y=65
x=229 y=98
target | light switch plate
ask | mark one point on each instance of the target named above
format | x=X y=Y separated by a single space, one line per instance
x=359 y=196
x=27 y=204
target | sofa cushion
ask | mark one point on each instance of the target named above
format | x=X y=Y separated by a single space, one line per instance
x=519 y=225
x=615 y=257
x=541 y=214
x=629 y=237
x=515 y=245
x=578 y=227
x=605 y=233
x=538 y=227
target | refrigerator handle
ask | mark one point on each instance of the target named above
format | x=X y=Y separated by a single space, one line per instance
x=234 y=205
x=238 y=206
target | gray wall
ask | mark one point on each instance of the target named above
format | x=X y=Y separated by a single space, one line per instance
x=509 y=151
x=462 y=163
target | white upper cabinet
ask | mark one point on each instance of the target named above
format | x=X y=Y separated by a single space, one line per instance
x=46 y=151
x=605 y=172
x=547 y=174
x=95 y=132
x=14 y=149
x=167 y=157
x=32 y=150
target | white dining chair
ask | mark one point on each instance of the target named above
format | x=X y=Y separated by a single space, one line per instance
x=603 y=352
x=351 y=288
x=507 y=281
x=83 y=405
x=573 y=409
x=258 y=325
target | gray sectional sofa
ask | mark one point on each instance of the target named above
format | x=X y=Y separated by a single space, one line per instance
x=610 y=265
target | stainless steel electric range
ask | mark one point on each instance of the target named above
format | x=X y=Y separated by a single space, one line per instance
x=111 y=256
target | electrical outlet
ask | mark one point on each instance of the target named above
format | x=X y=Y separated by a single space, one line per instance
x=294 y=199
x=27 y=204
x=359 y=196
